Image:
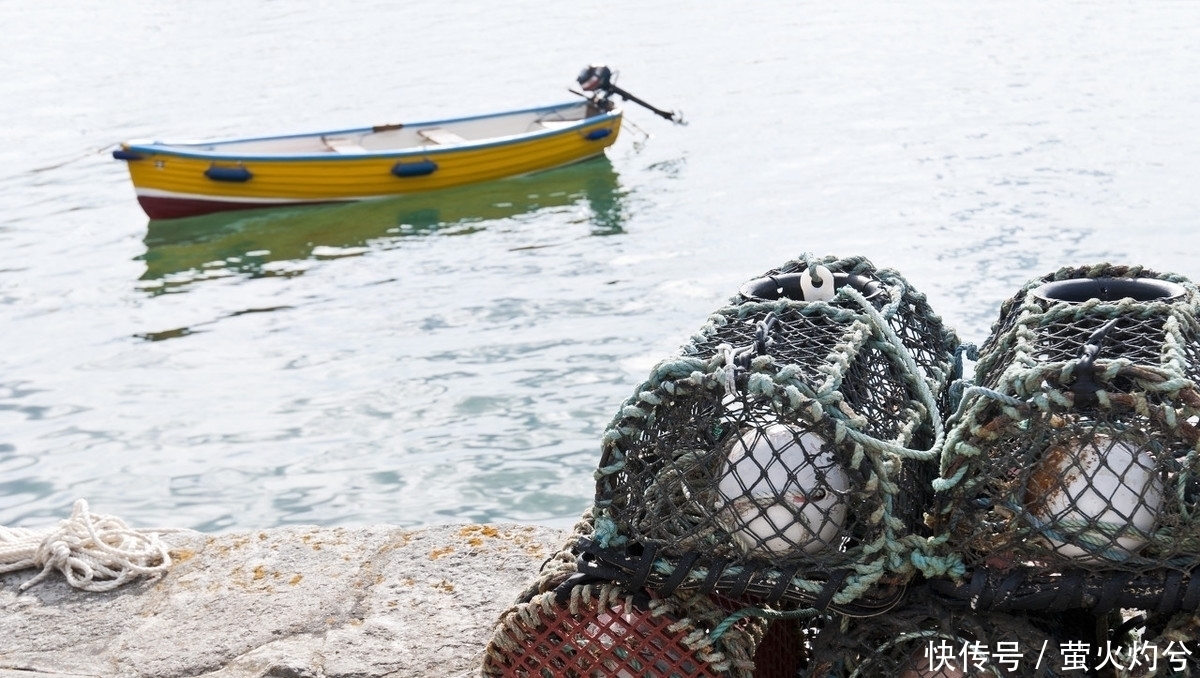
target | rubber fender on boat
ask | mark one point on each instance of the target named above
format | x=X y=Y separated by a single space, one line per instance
x=122 y=154
x=233 y=174
x=598 y=134
x=414 y=169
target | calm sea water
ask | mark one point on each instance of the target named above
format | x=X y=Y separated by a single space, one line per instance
x=455 y=357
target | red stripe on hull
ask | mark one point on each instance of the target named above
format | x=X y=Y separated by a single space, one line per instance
x=175 y=208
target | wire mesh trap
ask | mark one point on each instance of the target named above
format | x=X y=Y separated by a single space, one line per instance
x=522 y=645
x=780 y=455
x=1078 y=447
x=589 y=631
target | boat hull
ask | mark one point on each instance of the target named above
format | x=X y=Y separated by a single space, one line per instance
x=179 y=180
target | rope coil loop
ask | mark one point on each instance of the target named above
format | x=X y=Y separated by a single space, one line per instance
x=93 y=552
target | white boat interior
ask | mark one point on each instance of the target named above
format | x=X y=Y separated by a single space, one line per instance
x=385 y=138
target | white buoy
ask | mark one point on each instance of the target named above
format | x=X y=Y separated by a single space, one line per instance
x=786 y=489
x=1093 y=492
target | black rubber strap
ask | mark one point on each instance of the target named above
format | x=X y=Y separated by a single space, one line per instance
x=715 y=569
x=1170 y=592
x=741 y=581
x=975 y=590
x=825 y=597
x=562 y=592
x=591 y=560
x=619 y=566
x=945 y=588
x=1068 y=594
x=644 y=562
x=1004 y=592
x=785 y=578
x=1110 y=593
x=682 y=569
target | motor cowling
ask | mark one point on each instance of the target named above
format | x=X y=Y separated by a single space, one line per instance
x=595 y=77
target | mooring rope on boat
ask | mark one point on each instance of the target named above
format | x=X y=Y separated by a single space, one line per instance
x=94 y=552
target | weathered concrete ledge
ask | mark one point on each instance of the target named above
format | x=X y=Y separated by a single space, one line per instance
x=296 y=602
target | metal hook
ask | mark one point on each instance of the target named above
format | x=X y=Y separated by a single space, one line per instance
x=762 y=342
x=1085 y=385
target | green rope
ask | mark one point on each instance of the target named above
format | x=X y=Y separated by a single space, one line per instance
x=760 y=613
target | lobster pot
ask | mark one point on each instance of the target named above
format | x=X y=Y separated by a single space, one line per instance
x=781 y=454
x=604 y=631
x=923 y=640
x=1081 y=449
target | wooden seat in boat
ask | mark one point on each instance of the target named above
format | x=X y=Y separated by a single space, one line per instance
x=439 y=135
x=344 y=144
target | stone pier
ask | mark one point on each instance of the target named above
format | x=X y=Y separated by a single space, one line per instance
x=296 y=602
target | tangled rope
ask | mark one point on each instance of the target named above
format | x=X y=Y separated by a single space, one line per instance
x=94 y=552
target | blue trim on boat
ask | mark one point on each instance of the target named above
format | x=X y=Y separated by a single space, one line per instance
x=172 y=149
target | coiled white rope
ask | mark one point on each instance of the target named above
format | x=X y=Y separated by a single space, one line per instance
x=94 y=552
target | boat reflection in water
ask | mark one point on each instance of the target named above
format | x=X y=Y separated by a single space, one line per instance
x=262 y=242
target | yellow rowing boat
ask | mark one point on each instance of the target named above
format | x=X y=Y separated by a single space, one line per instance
x=192 y=178
x=185 y=179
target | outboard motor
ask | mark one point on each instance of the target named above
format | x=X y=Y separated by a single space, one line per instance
x=598 y=78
